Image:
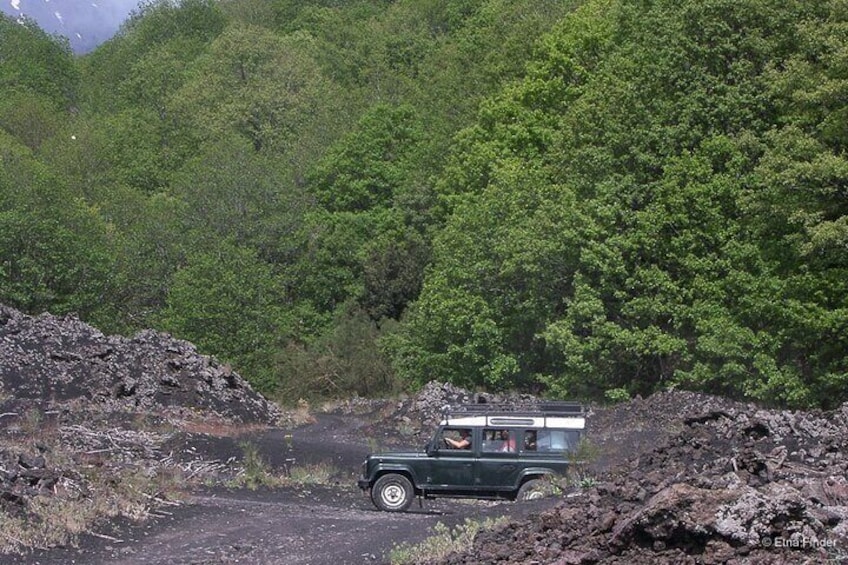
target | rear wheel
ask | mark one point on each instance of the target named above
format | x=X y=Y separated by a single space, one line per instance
x=535 y=489
x=392 y=493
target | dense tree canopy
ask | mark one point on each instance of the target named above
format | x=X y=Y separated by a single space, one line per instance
x=55 y=250
x=592 y=199
x=628 y=216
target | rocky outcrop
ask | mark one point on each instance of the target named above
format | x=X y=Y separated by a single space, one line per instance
x=419 y=415
x=729 y=483
x=61 y=359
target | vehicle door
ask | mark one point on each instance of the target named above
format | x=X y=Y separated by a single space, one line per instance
x=449 y=467
x=497 y=466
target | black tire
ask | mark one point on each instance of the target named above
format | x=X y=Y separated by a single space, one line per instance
x=535 y=489
x=392 y=493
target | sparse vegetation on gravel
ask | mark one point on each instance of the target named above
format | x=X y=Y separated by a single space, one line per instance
x=443 y=542
x=255 y=472
x=64 y=478
x=96 y=428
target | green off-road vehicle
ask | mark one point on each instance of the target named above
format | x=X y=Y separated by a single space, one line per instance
x=492 y=451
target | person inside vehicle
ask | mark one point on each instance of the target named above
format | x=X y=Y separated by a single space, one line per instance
x=530 y=440
x=509 y=441
x=464 y=441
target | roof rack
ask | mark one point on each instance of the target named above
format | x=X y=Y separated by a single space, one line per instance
x=524 y=408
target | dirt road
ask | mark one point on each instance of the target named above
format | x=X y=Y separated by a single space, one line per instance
x=318 y=527
x=315 y=525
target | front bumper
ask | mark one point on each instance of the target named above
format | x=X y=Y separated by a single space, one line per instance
x=364 y=484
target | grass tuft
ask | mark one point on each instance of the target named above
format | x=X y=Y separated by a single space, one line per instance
x=317 y=474
x=256 y=472
x=443 y=542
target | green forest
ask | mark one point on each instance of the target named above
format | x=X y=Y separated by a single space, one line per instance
x=590 y=199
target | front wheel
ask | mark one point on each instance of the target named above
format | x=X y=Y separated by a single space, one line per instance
x=535 y=489
x=392 y=493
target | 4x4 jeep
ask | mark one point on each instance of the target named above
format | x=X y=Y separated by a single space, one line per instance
x=480 y=451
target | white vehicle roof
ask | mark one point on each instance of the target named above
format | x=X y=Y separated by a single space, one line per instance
x=570 y=423
x=536 y=414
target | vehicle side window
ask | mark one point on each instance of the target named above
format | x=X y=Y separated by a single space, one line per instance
x=557 y=440
x=455 y=438
x=498 y=440
x=491 y=441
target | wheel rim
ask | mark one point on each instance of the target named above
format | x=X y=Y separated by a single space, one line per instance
x=393 y=496
x=534 y=495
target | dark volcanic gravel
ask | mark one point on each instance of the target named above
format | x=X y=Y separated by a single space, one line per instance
x=677 y=477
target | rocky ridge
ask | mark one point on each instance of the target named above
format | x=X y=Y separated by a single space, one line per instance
x=62 y=360
x=724 y=482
